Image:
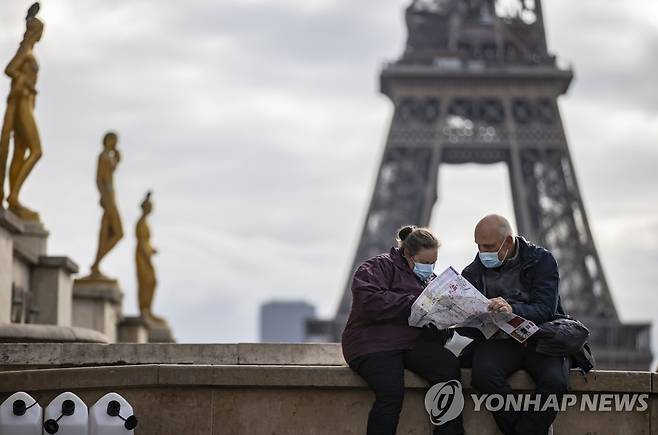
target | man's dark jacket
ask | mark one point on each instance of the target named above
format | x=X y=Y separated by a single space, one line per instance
x=538 y=300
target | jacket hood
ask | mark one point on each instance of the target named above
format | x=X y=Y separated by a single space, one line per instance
x=398 y=258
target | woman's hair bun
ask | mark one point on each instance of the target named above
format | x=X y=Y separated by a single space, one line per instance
x=412 y=239
x=405 y=231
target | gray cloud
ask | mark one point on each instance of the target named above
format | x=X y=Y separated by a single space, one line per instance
x=611 y=48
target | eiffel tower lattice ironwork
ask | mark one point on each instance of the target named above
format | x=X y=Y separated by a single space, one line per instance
x=476 y=84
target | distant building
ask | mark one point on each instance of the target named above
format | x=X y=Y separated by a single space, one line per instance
x=285 y=321
x=320 y=331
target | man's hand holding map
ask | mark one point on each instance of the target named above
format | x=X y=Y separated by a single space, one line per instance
x=450 y=300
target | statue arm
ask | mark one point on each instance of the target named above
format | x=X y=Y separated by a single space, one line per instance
x=144 y=246
x=13 y=68
x=143 y=251
x=114 y=159
x=104 y=174
x=146 y=250
x=106 y=191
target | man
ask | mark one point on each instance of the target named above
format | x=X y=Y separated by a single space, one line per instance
x=521 y=278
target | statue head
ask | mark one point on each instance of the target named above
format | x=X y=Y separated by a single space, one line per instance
x=110 y=140
x=33 y=25
x=147 y=205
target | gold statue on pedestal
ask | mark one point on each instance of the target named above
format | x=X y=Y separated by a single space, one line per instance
x=19 y=118
x=145 y=272
x=111 y=229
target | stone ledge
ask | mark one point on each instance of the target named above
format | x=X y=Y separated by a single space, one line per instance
x=332 y=376
x=42 y=335
x=82 y=354
x=77 y=378
x=35 y=228
x=319 y=400
x=134 y=321
x=103 y=290
x=203 y=357
x=10 y=221
x=71 y=354
x=25 y=253
x=59 y=263
x=291 y=353
x=31 y=243
x=271 y=376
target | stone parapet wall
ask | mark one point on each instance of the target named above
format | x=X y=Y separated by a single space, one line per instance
x=253 y=388
x=290 y=399
x=37 y=355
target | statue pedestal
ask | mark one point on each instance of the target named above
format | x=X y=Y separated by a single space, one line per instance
x=97 y=305
x=10 y=225
x=51 y=286
x=34 y=287
x=32 y=241
x=133 y=329
x=160 y=332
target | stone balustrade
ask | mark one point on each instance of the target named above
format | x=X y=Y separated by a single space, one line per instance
x=265 y=388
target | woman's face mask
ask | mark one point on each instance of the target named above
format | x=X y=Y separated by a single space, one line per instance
x=423 y=270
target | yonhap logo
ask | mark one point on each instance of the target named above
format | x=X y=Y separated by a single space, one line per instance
x=444 y=401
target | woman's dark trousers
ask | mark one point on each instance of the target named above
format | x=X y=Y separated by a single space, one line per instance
x=384 y=374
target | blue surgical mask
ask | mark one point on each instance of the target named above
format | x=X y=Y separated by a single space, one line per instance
x=490 y=260
x=423 y=270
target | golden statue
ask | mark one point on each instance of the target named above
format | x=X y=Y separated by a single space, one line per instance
x=146 y=280
x=19 y=118
x=111 y=230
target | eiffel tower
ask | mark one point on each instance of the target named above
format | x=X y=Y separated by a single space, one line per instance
x=476 y=84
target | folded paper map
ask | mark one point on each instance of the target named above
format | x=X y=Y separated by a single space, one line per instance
x=449 y=300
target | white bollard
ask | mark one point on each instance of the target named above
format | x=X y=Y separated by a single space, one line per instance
x=67 y=414
x=20 y=414
x=111 y=415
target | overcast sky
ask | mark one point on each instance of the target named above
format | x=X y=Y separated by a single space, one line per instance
x=259 y=126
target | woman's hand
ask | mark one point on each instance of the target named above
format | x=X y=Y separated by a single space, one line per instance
x=499 y=305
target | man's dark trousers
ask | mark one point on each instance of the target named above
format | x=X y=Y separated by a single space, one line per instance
x=495 y=360
x=384 y=374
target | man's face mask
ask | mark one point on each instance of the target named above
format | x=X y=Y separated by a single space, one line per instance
x=490 y=260
x=423 y=270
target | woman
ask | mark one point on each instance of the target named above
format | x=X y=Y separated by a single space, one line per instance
x=19 y=117
x=378 y=342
